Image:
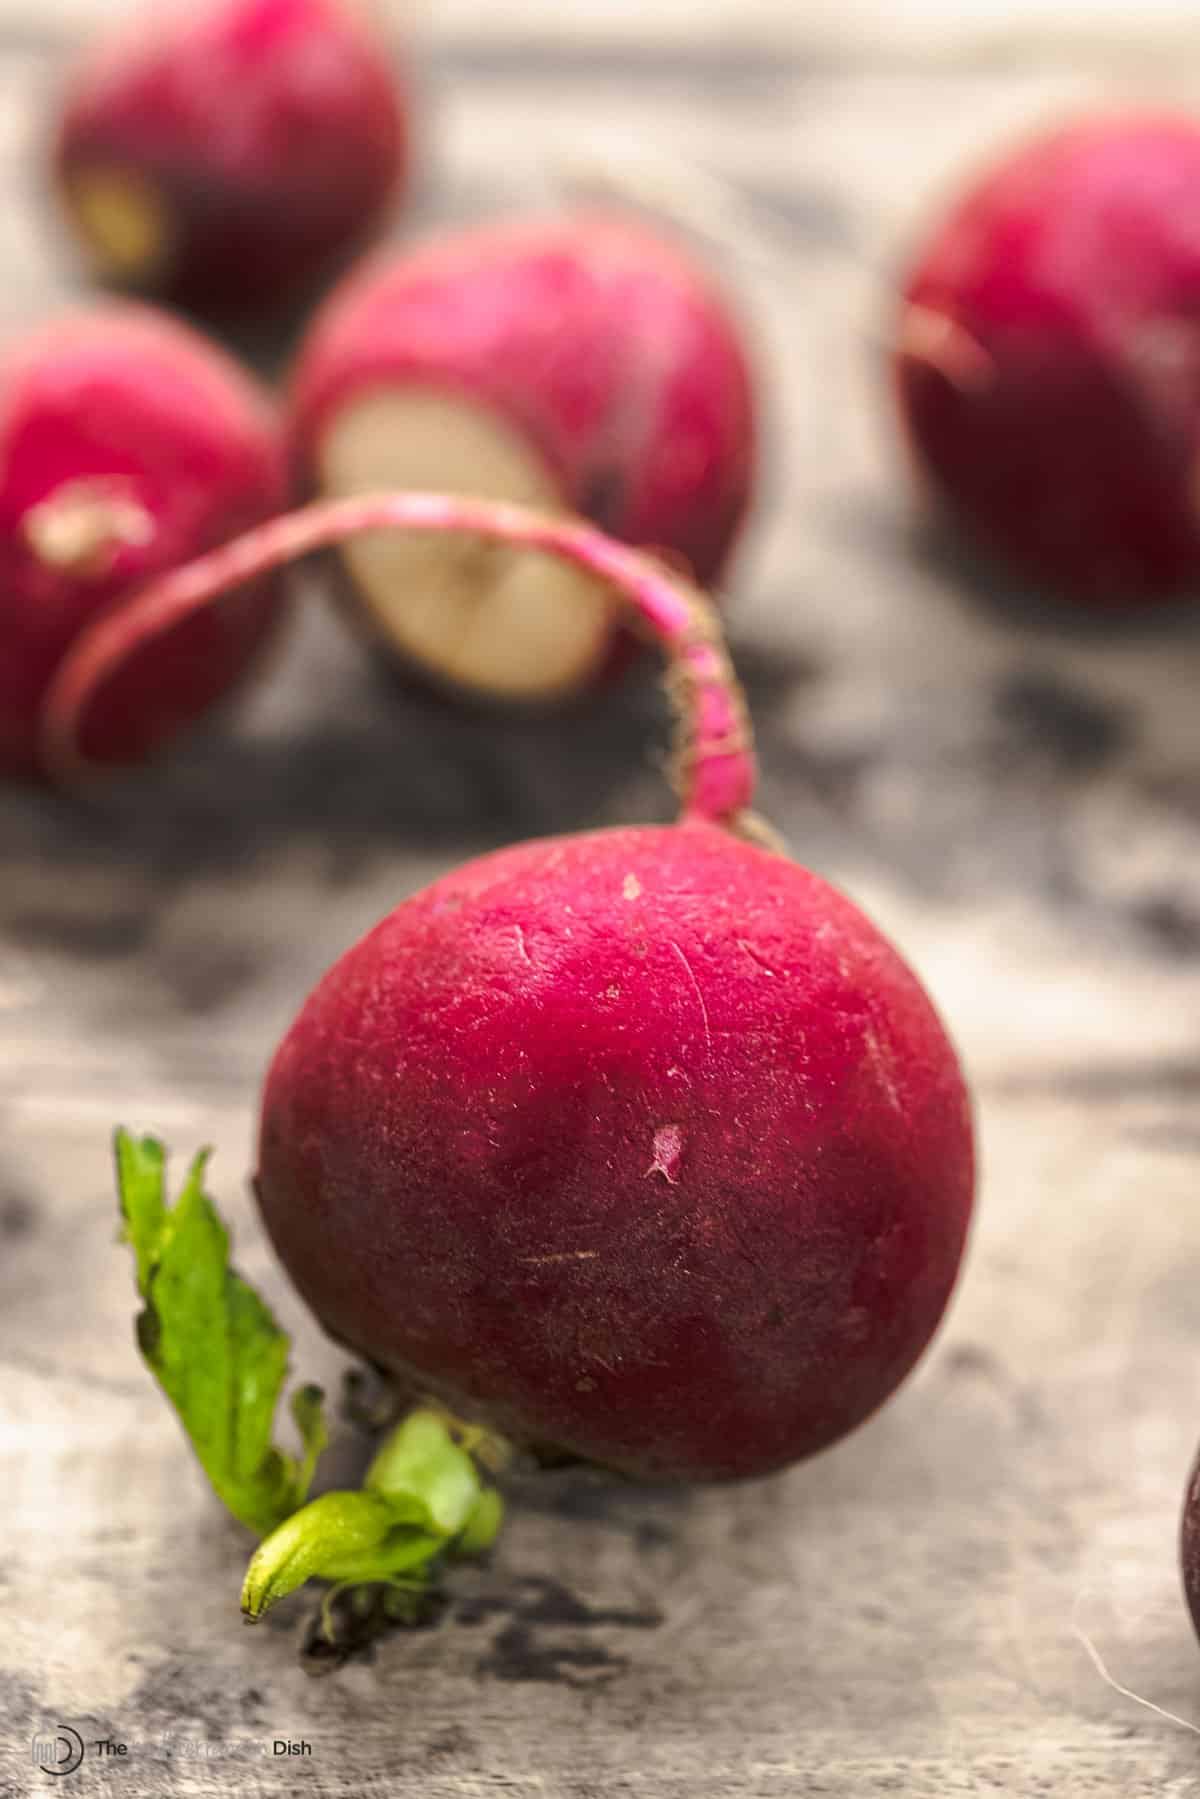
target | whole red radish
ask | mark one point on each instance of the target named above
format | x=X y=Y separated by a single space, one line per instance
x=1048 y=360
x=1190 y=1546
x=224 y=154
x=127 y=445
x=576 y=362
x=641 y=1144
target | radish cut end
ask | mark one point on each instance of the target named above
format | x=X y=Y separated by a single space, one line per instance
x=123 y=220
x=934 y=337
x=500 y=621
x=82 y=526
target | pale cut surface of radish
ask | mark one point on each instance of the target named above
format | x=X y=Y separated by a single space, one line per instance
x=507 y=622
x=125 y=222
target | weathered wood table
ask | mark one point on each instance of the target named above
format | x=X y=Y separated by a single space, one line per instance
x=1017 y=801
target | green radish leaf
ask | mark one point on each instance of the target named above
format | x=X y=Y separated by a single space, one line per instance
x=212 y=1342
x=422 y=1504
x=420 y=1465
x=141 y=1180
x=349 y=1538
x=222 y=1360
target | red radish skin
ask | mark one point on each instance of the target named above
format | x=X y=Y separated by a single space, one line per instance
x=1190 y=1546
x=575 y=361
x=641 y=1145
x=128 y=445
x=1047 y=361
x=225 y=154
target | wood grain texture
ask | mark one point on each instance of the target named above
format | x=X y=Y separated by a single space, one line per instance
x=1015 y=799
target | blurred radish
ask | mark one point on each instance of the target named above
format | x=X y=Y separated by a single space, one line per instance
x=1190 y=1545
x=225 y=153
x=576 y=362
x=1047 y=360
x=127 y=445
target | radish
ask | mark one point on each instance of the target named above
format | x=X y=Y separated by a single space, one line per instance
x=127 y=445
x=224 y=154
x=1190 y=1546
x=640 y=1145
x=575 y=362
x=1048 y=360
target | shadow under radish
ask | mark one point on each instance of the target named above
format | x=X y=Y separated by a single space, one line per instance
x=937 y=543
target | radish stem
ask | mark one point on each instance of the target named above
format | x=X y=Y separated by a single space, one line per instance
x=714 y=761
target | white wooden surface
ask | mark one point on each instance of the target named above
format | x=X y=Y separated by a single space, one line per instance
x=837 y=30
x=1015 y=799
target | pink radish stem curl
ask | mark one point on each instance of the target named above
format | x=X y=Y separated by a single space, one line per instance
x=714 y=765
